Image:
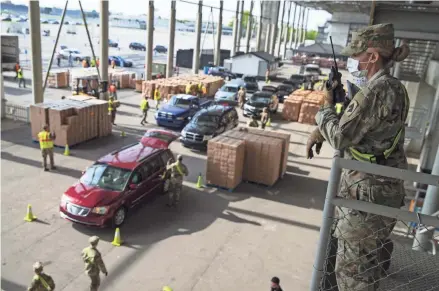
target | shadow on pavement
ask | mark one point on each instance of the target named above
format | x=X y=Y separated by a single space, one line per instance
x=154 y=222
x=11 y=286
x=16 y=91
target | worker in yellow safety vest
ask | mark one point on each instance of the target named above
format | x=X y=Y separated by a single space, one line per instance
x=112 y=109
x=46 y=138
x=41 y=281
x=167 y=288
x=189 y=88
x=177 y=171
x=20 y=77
x=93 y=63
x=144 y=106
x=157 y=98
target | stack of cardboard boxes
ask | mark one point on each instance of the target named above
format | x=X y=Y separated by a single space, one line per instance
x=262 y=156
x=58 y=79
x=302 y=106
x=73 y=120
x=177 y=85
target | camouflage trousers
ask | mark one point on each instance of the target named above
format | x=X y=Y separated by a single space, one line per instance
x=364 y=246
x=95 y=282
x=175 y=186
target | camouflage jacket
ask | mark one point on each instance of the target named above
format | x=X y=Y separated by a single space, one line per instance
x=42 y=282
x=93 y=261
x=177 y=169
x=370 y=124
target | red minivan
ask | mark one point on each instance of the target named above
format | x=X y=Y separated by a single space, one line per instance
x=119 y=181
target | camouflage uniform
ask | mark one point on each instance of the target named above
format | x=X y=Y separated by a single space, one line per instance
x=241 y=97
x=369 y=125
x=93 y=263
x=252 y=123
x=41 y=281
x=177 y=169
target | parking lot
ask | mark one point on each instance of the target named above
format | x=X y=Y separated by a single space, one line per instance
x=215 y=240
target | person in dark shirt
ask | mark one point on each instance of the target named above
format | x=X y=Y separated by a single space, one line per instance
x=275 y=284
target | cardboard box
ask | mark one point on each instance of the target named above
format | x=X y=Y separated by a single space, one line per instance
x=285 y=138
x=225 y=162
x=291 y=108
x=308 y=112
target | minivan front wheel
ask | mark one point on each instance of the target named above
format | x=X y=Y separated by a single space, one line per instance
x=119 y=217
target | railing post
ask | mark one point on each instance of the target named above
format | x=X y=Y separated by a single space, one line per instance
x=328 y=218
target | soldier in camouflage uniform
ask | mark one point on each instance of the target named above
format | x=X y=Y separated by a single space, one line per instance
x=41 y=281
x=371 y=129
x=177 y=170
x=93 y=263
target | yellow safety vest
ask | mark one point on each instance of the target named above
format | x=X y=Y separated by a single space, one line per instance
x=156 y=95
x=20 y=74
x=144 y=104
x=43 y=282
x=179 y=169
x=338 y=107
x=45 y=139
x=110 y=105
x=188 y=88
x=93 y=63
x=374 y=158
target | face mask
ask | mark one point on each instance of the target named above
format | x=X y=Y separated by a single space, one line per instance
x=359 y=77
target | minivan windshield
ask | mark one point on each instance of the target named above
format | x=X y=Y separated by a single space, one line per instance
x=250 y=79
x=259 y=101
x=312 y=70
x=230 y=89
x=105 y=177
x=180 y=102
x=207 y=120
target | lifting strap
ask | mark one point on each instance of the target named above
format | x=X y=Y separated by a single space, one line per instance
x=377 y=159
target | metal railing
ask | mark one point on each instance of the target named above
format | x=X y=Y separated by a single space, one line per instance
x=15 y=111
x=410 y=270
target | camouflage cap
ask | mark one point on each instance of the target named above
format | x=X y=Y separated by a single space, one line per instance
x=93 y=240
x=380 y=37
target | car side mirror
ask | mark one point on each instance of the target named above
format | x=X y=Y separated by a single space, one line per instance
x=133 y=186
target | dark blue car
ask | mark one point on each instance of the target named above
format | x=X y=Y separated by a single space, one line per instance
x=178 y=111
x=120 y=62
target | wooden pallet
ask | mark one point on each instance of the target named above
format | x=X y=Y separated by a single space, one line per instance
x=260 y=184
x=221 y=187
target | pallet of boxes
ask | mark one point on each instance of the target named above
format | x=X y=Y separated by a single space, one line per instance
x=58 y=79
x=73 y=120
x=302 y=106
x=177 y=85
x=250 y=155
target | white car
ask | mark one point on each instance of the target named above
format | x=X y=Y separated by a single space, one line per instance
x=75 y=54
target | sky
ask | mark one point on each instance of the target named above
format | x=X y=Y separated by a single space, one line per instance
x=184 y=10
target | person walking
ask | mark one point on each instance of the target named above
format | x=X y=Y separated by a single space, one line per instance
x=41 y=281
x=144 y=106
x=58 y=59
x=113 y=90
x=93 y=263
x=46 y=138
x=264 y=117
x=70 y=59
x=177 y=171
x=20 y=78
x=241 y=97
x=157 y=99
x=17 y=67
x=112 y=109
x=370 y=130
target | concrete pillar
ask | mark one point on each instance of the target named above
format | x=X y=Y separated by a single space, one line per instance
x=35 y=45
x=150 y=41
x=219 y=31
x=240 y=24
x=274 y=29
x=431 y=206
x=170 y=62
x=268 y=38
x=103 y=62
x=3 y=100
x=284 y=49
x=196 y=58
x=260 y=28
x=249 y=28
x=281 y=28
x=302 y=28
x=297 y=33
x=235 y=30
x=265 y=29
x=306 y=25
x=292 y=34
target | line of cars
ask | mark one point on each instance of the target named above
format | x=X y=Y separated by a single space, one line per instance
x=65 y=52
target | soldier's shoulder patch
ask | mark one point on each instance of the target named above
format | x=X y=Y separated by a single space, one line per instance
x=353 y=105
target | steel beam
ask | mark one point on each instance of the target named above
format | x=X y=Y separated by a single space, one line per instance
x=103 y=64
x=235 y=29
x=306 y=25
x=240 y=24
x=150 y=42
x=274 y=29
x=297 y=33
x=217 y=54
x=259 y=33
x=249 y=28
x=196 y=58
x=35 y=45
x=284 y=49
x=170 y=61
x=293 y=26
x=281 y=28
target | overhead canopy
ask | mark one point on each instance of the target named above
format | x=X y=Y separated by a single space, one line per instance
x=321 y=49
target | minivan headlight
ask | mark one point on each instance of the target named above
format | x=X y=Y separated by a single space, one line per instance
x=207 y=137
x=100 y=210
x=183 y=133
x=180 y=118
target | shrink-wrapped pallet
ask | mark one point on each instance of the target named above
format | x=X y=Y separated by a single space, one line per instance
x=291 y=109
x=138 y=85
x=58 y=79
x=225 y=162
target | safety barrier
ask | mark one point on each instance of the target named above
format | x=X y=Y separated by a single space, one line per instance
x=362 y=244
x=15 y=111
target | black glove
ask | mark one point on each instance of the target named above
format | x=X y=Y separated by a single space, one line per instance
x=316 y=139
